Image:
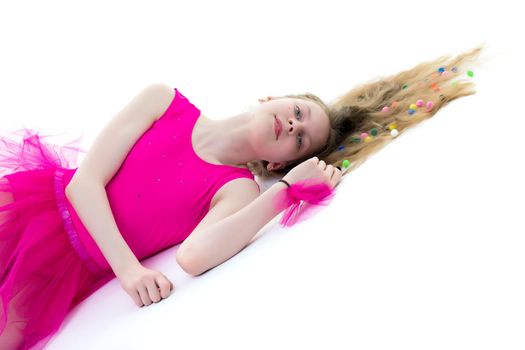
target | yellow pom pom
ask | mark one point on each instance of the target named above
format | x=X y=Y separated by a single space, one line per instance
x=413 y=106
x=368 y=138
x=392 y=126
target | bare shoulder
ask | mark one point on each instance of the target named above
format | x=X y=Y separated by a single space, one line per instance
x=238 y=192
x=163 y=96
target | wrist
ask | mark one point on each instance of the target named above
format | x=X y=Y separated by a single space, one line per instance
x=284 y=182
x=126 y=267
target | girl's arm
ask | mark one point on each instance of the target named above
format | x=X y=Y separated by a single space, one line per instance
x=86 y=190
x=238 y=216
x=89 y=198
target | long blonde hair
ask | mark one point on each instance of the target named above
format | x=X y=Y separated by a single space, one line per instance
x=361 y=110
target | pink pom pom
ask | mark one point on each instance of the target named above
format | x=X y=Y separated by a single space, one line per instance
x=430 y=104
x=386 y=109
x=419 y=103
x=364 y=135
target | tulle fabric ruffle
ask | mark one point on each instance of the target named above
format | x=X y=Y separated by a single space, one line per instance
x=301 y=200
x=41 y=276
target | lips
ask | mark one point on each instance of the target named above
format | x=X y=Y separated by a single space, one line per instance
x=277 y=127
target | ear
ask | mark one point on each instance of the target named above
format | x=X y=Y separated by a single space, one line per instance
x=275 y=166
x=265 y=99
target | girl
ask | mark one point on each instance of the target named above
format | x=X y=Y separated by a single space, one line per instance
x=160 y=174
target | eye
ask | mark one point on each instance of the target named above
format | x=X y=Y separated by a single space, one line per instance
x=297 y=110
x=299 y=137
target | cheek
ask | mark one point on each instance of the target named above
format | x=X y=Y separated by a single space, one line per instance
x=291 y=149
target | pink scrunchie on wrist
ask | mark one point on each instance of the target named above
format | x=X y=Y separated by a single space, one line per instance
x=299 y=195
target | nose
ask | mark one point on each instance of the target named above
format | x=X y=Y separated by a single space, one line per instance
x=292 y=125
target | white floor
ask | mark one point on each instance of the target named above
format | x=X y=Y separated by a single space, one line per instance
x=423 y=245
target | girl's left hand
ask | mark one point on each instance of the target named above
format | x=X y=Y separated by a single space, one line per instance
x=144 y=285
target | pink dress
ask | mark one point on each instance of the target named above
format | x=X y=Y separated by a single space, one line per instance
x=48 y=260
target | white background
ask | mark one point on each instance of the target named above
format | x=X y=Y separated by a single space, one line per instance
x=422 y=248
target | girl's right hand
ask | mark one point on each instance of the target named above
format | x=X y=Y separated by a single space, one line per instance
x=314 y=169
x=144 y=285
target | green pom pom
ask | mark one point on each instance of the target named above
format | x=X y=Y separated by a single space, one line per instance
x=356 y=140
x=346 y=163
x=373 y=132
x=405 y=86
x=470 y=73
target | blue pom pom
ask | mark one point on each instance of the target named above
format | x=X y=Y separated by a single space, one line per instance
x=411 y=111
x=340 y=148
x=441 y=70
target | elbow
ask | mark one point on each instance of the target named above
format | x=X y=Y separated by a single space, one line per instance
x=73 y=185
x=68 y=190
x=188 y=263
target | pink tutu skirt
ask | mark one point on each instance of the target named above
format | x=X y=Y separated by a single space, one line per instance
x=42 y=275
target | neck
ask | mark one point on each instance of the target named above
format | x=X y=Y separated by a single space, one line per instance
x=227 y=140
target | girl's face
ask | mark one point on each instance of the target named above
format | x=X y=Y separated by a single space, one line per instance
x=304 y=130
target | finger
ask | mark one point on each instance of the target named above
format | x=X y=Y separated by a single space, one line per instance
x=322 y=164
x=335 y=179
x=136 y=298
x=153 y=291
x=164 y=286
x=265 y=99
x=337 y=172
x=329 y=170
x=337 y=176
x=144 y=295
